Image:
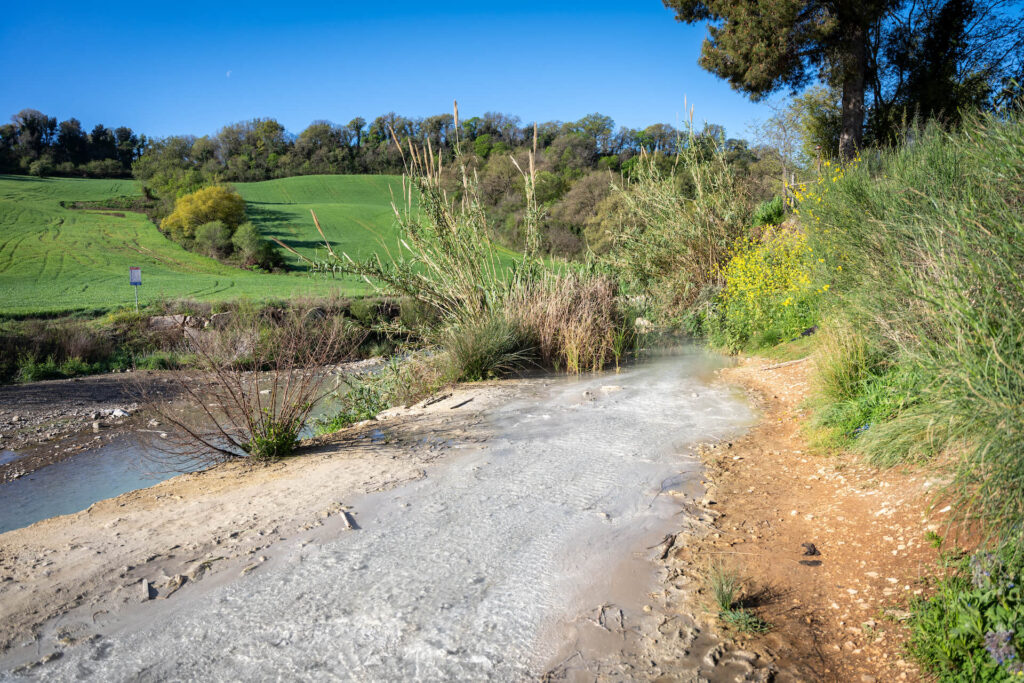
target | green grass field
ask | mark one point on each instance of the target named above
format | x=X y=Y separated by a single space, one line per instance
x=354 y=211
x=57 y=260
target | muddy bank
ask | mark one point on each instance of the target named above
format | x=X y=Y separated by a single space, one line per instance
x=499 y=534
x=42 y=423
x=92 y=564
x=45 y=422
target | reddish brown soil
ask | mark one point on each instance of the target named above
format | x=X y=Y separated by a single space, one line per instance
x=837 y=615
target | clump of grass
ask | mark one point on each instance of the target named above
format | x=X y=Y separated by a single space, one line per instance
x=930 y=237
x=487 y=346
x=727 y=594
x=574 y=321
x=491 y=314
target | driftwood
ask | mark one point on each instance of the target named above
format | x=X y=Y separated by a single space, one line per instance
x=349 y=520
x=782 y=365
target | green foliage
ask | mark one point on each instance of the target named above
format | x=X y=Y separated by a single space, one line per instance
x=820 y=121
x=41 y=168
x=274 y=439
x=491 y=311
x=33 y=370
x=164 y=360
x=727 y=592
x=770 y=212
x=674 y=242
x=491 y=345
x=931 y=237
x=364 y=399
x=253 y=250
x=972 y=627
x=213 y=239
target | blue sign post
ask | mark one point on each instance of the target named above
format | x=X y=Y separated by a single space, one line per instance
x=135 y=280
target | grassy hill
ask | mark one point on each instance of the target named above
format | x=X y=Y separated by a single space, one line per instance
x=354 y=211
x=56 y=260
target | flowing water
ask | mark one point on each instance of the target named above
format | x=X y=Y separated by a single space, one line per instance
x=118 y=466
x=466 y=574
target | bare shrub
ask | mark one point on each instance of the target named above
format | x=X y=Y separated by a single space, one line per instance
x=252 y=390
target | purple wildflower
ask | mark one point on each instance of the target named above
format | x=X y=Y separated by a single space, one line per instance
x=1000 y=645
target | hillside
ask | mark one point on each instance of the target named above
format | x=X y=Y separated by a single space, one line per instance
x=57 y=260
x=354 y=211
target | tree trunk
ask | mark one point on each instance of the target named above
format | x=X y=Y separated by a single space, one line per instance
x=852 y=131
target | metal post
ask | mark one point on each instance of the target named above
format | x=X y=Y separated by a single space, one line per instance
x=136 y=288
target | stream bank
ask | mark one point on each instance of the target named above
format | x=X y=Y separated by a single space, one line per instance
x=475 y=538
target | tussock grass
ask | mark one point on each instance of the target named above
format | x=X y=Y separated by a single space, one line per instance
x=493 y=314
x=727 y=594
x=933 y=235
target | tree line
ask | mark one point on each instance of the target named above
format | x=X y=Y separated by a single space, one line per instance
x=37 y=144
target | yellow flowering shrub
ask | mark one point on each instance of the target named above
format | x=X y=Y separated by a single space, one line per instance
x=769 y=294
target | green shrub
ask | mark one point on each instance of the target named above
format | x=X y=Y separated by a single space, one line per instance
x=253 y=250
x=213 y=239
x=490 y=345
x=972 y=627
x=770 y=212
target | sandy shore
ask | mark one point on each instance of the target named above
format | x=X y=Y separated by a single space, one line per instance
x=86 y=567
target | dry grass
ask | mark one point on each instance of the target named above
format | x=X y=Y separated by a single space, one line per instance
x=572 y=319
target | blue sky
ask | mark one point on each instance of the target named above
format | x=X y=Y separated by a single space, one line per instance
x=192 y=67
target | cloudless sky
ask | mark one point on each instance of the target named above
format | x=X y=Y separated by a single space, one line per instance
x=192 y=67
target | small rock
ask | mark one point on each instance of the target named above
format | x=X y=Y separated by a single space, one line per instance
x=96 y=426
x=118 y=412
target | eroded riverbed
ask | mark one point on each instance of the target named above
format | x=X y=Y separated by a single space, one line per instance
x=473 y=571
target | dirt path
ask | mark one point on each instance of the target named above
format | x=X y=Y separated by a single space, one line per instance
x=836 y=613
